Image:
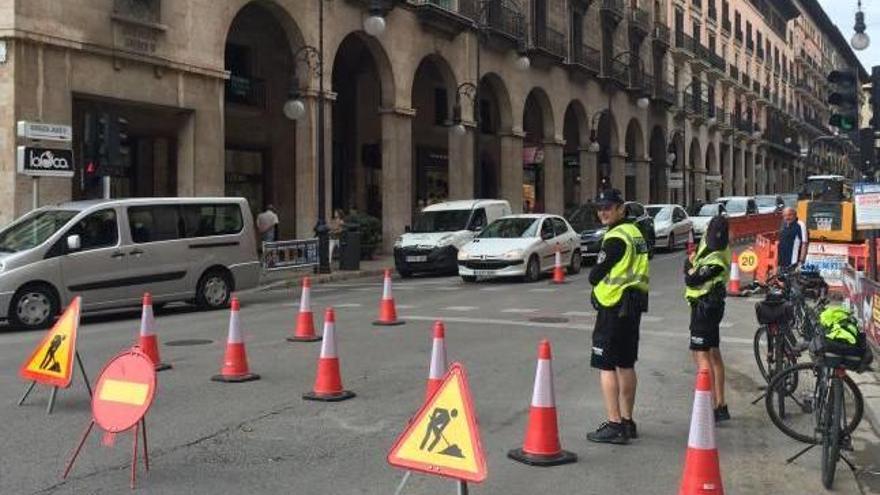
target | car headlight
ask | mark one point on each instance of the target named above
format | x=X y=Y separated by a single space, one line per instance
x=462 y=255
x=513 y=254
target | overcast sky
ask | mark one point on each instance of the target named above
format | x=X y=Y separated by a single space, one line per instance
x=842 y=13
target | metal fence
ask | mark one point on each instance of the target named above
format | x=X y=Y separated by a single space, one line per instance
x=286 y=255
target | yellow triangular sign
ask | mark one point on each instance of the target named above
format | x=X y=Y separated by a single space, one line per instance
x=52 y=361
x=443 y=438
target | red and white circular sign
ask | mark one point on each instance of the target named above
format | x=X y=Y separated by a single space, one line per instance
x=124 y=391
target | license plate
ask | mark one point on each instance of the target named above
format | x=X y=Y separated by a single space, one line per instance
x=416 y=259
x=484 y=273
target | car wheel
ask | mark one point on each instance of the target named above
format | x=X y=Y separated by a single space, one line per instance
x=404 y=273
x=469 y=279
x=33 y=306
x=214 y=289
x=576 y=260
x=533 y=270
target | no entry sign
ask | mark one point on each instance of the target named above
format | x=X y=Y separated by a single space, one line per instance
x=124 y=391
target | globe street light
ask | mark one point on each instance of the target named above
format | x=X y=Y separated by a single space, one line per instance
x=860 y=39
x=643 y=102
x=375 y=23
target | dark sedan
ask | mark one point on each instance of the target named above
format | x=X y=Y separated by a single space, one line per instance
x=586 y=222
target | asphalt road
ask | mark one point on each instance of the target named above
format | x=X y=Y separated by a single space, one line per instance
x=261 y=437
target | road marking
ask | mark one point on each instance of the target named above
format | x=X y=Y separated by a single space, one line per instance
x=725 y=324
x=406 y=306
x=347 y=305
x=494 y=289
x=584 y=314
x=459 y=308
x=566 y=326
x=543 y=290
x=366 y=289
x=652 y=319
x=521 y=311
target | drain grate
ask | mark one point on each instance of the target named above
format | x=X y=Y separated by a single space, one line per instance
x=188 y=342
x=549 y=319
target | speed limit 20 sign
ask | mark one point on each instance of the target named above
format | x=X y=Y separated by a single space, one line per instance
x=748 y=261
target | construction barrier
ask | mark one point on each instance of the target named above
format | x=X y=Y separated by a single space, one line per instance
x=746 y=229
x=765 y=247
x=863 y=297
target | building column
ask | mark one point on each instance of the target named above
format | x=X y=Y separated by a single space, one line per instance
x=512 y=170
x=589 y=165
x=618 y=172
x=739 y=172
x=727 y=178
x=461 y=164
x=397 y=177
x=700 y=184
x=554 y=200
x=751 y=177
x=305 y=184
x=643 y=180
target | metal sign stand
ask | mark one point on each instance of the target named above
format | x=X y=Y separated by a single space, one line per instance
x=54 y=393
x=139 y=427
x=461 y=486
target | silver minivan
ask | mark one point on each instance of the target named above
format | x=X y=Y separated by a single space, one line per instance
x=112 y=251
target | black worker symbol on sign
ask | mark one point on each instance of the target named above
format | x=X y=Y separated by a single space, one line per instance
x=49 y=358
x=440 y=419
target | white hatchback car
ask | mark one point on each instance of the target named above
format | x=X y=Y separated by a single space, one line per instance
x=520 y=246
x=672 y=225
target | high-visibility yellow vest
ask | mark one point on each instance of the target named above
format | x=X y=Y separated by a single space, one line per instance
x=718 y=258
x=630 y=271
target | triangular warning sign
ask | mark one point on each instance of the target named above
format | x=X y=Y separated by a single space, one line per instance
x=52 y=361
x=443 y=437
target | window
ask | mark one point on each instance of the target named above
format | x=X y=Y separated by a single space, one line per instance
x=559 y=226
x=208 y=220
x=478 y=220
x=98 y=230
x=634 y=210
x=154 y=223
x=737 y=25
x=547 y=230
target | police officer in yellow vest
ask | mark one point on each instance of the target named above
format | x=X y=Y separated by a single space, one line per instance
x=706 y=274
x=620 y=296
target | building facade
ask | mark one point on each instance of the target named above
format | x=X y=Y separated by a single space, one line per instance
x=667 y=100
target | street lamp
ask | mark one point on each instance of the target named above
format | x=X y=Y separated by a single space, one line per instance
x=860 y=39
x=375 y=23
x=295 y=109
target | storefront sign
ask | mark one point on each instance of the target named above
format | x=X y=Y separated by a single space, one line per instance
x=867 y=203
x=44 y=132
x=830 y=260
x=45 y=162
x=676 y=180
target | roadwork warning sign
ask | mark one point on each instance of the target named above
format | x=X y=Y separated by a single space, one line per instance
x=52 y=361
x=443 y=437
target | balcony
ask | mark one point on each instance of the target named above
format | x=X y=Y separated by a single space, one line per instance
x=611 y=11
x=548 y=44
x=717 y=61
x=665 y=93
x=503 y=19
x=725 y=26
x=246 y=91
x=760 y=53
x=750 y=45
x=586 y=58
x=639 y=23
x=661 y=36
x=738 y=37
x=734 y=73
x=685 y=42
x=446 y=16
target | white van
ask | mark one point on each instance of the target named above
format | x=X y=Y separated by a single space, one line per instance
x=432 y=243
x=112 y=251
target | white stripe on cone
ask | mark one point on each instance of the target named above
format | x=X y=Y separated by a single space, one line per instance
x=702 y=434
x=235 y=336
x=734 y=270
x=558 y=258
x=305 y=302
x=148 y=322
x=328 y=345
x=386 y=288
x=438 y=360
x=543 y=394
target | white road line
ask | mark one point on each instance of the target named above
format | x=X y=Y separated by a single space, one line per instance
x=566 y=326
x=347 y=305
x=584 y=314
x=543 y=290
x=459 y=308
x=652 y=319
x=406 y=306
x=725 y=324
x=521 y=311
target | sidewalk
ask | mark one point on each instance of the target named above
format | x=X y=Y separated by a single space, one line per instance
x=285 y=279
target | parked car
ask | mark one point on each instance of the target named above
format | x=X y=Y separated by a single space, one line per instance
x=769 y=203
x=520 y=246
x=672 y=225
x=790 y=200
x=701 y=219
x=585 y=221
x=739 y=206
x=112 y=251
x=432 y=243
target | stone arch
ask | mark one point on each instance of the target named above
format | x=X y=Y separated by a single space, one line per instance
x=659 y=156
x=538 y=98
x=294 y=34
x=379 y=58
x=492 y=84
x=634 y=146
x=541 y=160
x=579 y=181
x=605 y=126
x=496 y=120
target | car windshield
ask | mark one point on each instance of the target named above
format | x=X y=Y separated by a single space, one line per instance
x=660 y=213
x=735 y=205
x=766 y=201
x=511 y=228
x=708 y=210
x=442 y=221
x=790 y=200
x=33 y=229
x=584 y=218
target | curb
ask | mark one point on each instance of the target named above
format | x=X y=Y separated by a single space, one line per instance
x=339 y=276
x=869 y=384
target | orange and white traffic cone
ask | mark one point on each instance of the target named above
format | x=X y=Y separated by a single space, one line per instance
x=305 y=320
x=691 y=245
x=387 y=310
x=438 y=360
x=147 y=340
x=733 y=285
x=328 y=381
x=235 y=365
x=702 y=472
x=541 y=446
x=558 y=271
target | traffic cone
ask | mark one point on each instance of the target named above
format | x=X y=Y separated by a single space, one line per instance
x=328 y=381
x=558 y=271
x=541 y=445
x=702 y=472
x=691 y=245
x=235 y=365
x=733 y=285
x=147 y=340
x=387 y=310
x=305 y=321
x=438 y=360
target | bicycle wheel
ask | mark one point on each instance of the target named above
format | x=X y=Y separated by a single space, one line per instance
x=762 y=346
x=796 y=388
x=832 y=418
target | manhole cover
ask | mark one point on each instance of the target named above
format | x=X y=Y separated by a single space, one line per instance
x=549 y=319
x=186 y=342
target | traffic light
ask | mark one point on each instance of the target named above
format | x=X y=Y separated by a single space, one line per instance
x=845 y=97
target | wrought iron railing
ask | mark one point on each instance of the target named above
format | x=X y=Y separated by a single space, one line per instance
x=505 y=18
x=587 y=56
x=661 y=32
x=550 y=40
x=640 y=19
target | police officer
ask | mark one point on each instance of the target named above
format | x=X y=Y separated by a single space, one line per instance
x=620 y=296
x=706 y=274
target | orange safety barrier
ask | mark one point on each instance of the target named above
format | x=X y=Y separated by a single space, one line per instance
x=747 y=228
x=765 y=248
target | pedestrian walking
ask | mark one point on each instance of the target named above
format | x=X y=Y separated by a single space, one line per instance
x=705 y=275
x=267 y=224
x=620 y=296
x=792 y=249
